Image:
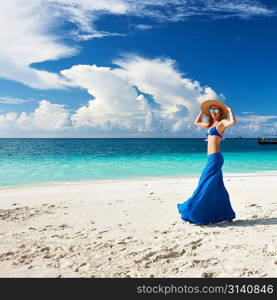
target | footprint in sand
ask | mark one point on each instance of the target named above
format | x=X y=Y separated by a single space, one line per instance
x=194 y=244
x=208 y=275
x=249 y=272
x=155 y=256
x=102 y=231
x=63 y=226
x=203 y=263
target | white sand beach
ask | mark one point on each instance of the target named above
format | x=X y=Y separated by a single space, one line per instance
x=131 y=228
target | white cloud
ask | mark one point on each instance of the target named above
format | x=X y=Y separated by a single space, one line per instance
x=29 y=30
x=84 y=13
x=13 y=100
x=25 y=39
x=240 y=8
x=7 y=122
x=116 y=103
x=250 y=127
x=255 y=118
x=141 y=95
x=48 y=117
x=144 y=26
x=177 y=97
x=55 y=120
x=253 y=125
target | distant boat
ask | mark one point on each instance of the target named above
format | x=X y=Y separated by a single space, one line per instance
x=268 y=140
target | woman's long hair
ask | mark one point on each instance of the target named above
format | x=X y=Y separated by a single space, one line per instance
x=222 y=116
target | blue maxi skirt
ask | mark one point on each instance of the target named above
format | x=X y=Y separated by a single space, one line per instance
x=210 y=201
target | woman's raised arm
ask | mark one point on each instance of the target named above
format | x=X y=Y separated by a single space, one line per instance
x=198 y=118
x=198 y=122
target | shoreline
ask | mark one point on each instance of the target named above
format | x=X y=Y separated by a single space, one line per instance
x=142 y=178
x=131 y=228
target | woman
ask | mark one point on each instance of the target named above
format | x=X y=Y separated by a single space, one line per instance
x=210 y=201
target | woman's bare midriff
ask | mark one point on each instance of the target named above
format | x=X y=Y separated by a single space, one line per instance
x=213 y=144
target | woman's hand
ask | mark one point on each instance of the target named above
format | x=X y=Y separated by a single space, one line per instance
x=229 y=108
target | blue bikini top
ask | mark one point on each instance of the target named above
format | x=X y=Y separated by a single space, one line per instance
x=213 y=131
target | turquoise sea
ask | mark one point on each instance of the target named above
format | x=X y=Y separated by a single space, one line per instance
x=28 y=161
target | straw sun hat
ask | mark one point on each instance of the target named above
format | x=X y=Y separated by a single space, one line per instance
x=206 y=105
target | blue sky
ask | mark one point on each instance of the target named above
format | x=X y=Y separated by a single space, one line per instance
x=119 y=68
